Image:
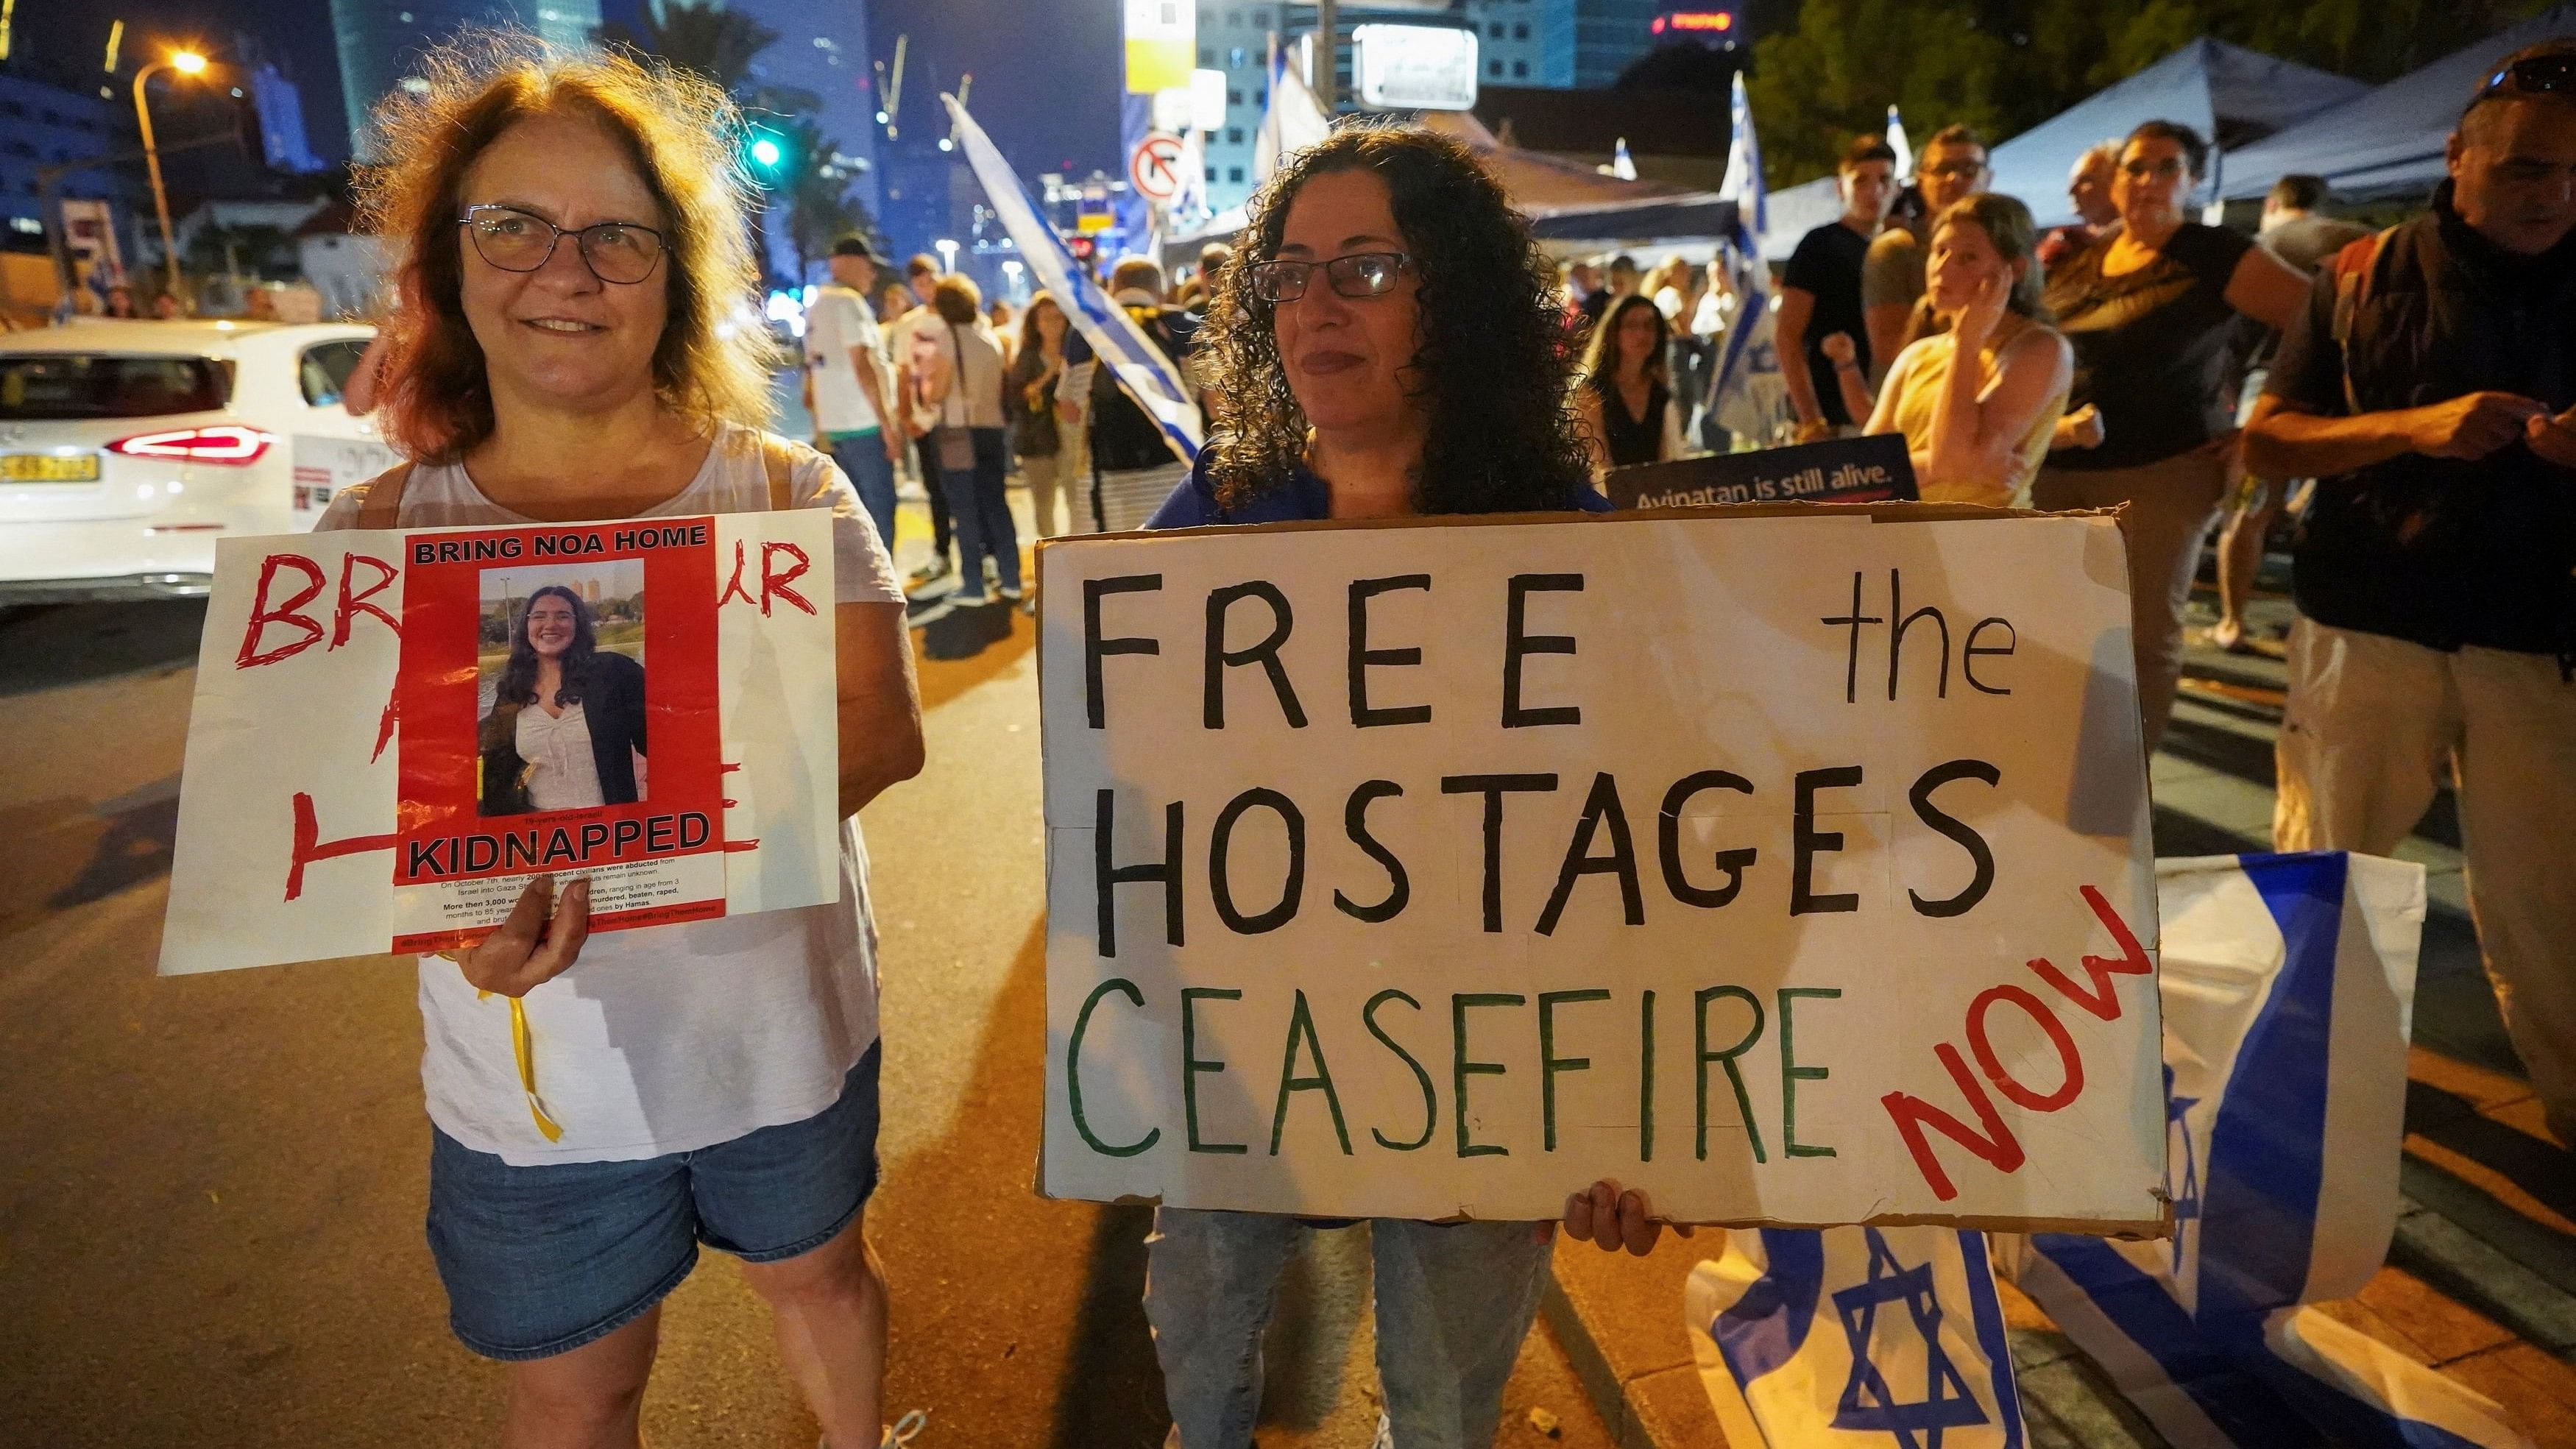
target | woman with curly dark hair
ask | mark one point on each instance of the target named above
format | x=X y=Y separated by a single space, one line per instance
x=1385 y=344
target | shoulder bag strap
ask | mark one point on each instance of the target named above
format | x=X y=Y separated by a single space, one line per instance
x=956 y=384
x=381 y=507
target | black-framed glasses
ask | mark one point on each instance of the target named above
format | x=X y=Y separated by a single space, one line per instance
x=1361 y=274
x=521 y=241
x=2531 y=76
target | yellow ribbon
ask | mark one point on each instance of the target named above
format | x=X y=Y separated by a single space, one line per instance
x=523 y=1047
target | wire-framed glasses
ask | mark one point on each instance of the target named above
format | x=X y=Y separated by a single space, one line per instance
x=520 y=241
x=1361 y=274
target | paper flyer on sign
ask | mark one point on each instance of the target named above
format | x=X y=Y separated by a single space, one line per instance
x=1794 y=869
x=393 y=732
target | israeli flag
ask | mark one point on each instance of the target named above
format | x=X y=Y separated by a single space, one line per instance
x=1138 y=364
x=2287 y=983
x=1294 y=119
x=1891 y=1338
x=1746 y=392
x=1897 y=143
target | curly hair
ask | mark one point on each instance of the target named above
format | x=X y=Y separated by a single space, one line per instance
x=681 y=133
x=1492 y=362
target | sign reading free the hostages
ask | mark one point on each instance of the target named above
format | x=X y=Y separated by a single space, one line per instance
x=1791 y=864
x=393 y=732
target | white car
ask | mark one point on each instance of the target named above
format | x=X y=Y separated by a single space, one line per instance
x=128 y=448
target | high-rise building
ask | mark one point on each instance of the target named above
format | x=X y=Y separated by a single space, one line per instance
x=1559 y=44
x=823 y=47
x=381 y=41
x=283 y=141
x=48 y=126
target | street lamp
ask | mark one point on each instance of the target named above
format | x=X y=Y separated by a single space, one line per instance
x=185 y=62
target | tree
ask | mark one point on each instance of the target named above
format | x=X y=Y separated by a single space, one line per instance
x=717 y=43
x=821 y=209
x=1834 y=74
x=2005 y=65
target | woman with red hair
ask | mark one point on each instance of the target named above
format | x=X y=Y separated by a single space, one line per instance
x=574 y=265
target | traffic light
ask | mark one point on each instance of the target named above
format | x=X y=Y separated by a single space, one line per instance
x=766 y=155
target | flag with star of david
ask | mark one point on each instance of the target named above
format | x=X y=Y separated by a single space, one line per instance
x=2287 y=983
x=1891 y=1338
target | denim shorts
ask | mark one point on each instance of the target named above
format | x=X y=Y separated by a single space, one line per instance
x=541 y=1260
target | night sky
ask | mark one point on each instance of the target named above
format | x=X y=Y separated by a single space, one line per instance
x=1046 y=71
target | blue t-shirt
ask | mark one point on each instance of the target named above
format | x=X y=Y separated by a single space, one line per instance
x=1194 y=505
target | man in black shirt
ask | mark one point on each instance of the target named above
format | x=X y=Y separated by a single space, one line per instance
x=1820 y=291
x=2431 y=387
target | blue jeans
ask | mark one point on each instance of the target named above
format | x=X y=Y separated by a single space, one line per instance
x=863 y=457
x=541 y=1260
x=1454 y=1301
x=982 y=508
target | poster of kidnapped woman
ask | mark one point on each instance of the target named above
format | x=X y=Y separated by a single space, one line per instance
x=644 y=705
x=561 y=702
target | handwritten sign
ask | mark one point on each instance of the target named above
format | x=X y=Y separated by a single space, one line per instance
x=380 y=756
x=1794 y=868
x=1845 y=470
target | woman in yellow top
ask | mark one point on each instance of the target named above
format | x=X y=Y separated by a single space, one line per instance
x=1978 y=434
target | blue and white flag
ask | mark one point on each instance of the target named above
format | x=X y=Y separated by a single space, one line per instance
x=1890 y=1338
x=1746 y=392
x=1293 y=119
x=2287 y=983
x=1896 y=142
x=1140 y=367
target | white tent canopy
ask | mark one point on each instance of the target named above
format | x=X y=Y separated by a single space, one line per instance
x=2388 y=142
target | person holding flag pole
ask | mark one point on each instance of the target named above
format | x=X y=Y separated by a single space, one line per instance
x=1746 y=394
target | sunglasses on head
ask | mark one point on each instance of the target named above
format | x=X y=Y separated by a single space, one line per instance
x=2537 y=75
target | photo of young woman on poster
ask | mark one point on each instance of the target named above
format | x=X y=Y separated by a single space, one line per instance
x=565 y=726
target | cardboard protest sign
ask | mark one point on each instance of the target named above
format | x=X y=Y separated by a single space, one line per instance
x=1793 y=867
x=1874 y=469
x=370 y=767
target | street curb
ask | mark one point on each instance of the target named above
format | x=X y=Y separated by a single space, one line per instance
x=1619 y=1321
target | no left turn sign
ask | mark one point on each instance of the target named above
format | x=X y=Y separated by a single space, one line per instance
x=1154 y=167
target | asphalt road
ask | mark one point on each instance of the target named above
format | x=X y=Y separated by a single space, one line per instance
x=210 y=1222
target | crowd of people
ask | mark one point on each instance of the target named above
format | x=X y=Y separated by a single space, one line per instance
x=1385 y=340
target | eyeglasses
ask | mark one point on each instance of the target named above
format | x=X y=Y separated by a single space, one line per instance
x=1960 y=169
x=518 y=241
x=1361 y=274
x=2532 y=76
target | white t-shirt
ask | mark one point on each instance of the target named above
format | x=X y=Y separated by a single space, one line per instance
x=839 y=321
x=668 y=1038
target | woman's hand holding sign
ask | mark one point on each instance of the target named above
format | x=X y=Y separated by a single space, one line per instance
x=1614 y=1219
x=539 y=942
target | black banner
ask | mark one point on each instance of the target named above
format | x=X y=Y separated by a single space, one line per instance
x=1846 y=470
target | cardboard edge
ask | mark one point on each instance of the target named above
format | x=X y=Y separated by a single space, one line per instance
x=1874 y=512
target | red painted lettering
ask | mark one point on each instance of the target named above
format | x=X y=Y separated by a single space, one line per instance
x=353 y=602
x=1998 y=1146
x=2004 y=1081
x=774 y=585
x=733 y=588
x=310 y=846
x=2103 y=1001
x=263 y=614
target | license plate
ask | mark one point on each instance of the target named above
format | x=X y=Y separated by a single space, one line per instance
x=49 y=467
